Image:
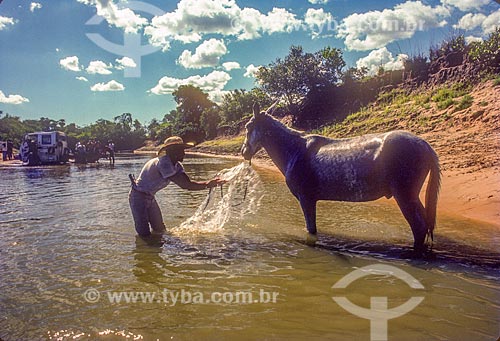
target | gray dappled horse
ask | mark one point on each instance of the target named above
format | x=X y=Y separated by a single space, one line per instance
x=356 y=169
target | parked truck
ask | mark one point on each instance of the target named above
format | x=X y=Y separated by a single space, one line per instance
x=44 y=148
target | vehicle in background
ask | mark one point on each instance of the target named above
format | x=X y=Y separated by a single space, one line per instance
x=3 y=150
x=44 y=148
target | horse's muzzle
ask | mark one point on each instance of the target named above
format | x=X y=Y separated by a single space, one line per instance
x=245 y=152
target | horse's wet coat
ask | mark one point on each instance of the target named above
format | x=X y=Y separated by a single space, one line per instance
x=357 y=169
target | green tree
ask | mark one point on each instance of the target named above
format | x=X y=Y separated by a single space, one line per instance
x=12 y=128
x=353 y=75
x=48 y=124
x=152 y=128
x=124 y=122
x=295 y=76
x=164 y=130
x=191 y=103
x=209 y=121
x=238 y=103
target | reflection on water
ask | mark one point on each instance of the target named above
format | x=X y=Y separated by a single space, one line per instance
x=67 y=229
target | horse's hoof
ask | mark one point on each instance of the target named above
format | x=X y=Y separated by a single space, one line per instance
x=422 y=252
x=311 y=239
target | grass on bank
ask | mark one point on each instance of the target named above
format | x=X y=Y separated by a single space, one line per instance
x=445 y=97
x=419 y=111
x=496 y=81
x=231 y=145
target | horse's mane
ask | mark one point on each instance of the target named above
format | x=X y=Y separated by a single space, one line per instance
x=275 y=122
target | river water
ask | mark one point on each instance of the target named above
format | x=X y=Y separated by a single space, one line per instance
x=71 y=266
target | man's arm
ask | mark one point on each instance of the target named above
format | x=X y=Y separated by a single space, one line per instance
x=183 y=181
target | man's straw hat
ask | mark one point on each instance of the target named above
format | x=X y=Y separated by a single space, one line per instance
x=173 y=142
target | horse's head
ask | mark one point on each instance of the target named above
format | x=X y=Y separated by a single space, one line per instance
x=253 y=137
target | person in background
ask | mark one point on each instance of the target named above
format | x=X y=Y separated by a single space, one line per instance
x=80 y=153
x=10 y=148
x=111 y=150
x=155 y=175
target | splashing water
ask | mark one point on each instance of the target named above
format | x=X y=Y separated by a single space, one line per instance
x=240 y=196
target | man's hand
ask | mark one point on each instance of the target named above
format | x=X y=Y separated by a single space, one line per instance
x=215 y=182
x=183 y=181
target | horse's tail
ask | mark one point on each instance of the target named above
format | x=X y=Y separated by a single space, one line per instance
x=431 y=193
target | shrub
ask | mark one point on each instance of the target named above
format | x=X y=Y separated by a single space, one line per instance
x=465 y=103
x=417 y=66
x=488 y=51
x=445 y=103
x=389 y=96
x=454 y=44
x=443 y=95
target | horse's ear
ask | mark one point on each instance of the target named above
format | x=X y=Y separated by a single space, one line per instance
x=256 y=109
x=270 y=110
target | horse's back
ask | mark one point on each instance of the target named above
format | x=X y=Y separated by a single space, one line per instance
x=346 y=169
x=376 y=143
x=362 y=168
x=354 y=147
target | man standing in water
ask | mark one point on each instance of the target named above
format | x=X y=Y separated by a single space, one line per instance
x=155 y=175
x=111 y=150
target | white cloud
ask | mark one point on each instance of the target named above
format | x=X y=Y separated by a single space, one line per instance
x=192 y=19
x=207 y=54
x=228 y=66
x=34 y=6
x=466 y=5
x=317 y=19
x=470 y=21
x=212 y=83
x=99 y=67
x=375 y=29
x=123 y=18
x=251 y=71
x=4 y=21
x=472 y=39
x=70 y=63
x=491 y=22
x=112 y=85
x=125 y=62
x=83 y=79
x=381 y=58
x=217 y=96
x=12 y=99
x=318 y=2
x=280 y=20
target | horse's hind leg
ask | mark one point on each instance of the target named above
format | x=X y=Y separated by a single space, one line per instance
x=414 y=213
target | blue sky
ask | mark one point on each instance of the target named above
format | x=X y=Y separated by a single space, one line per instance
x=83 y=60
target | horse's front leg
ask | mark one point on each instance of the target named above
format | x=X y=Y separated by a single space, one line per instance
x=309 y=209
